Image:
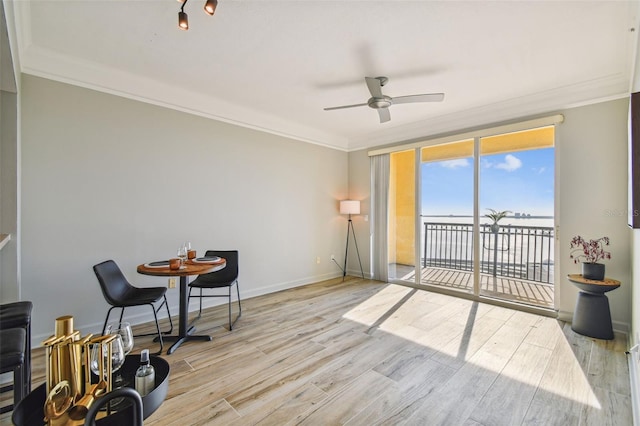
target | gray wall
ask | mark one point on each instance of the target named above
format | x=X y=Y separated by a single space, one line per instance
x=592 y=197
x=9 y=276
x=591 y=184
x=9 y=174
x=105 y=177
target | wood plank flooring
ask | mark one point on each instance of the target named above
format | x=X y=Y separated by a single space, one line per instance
x=368 y=353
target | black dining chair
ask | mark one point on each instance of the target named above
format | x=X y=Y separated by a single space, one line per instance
x=226 y=277
x=119 y=293
x=18 y=315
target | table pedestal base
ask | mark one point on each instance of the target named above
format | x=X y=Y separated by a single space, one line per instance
x=592 y=316
x=178 y=340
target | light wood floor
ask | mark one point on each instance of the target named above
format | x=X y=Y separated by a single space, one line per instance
x=368 y=353
x=521 y=291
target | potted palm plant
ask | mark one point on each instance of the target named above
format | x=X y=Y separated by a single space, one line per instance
x=589 y=253
x=496 y=216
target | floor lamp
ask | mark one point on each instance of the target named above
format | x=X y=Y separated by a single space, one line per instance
x=350 y=207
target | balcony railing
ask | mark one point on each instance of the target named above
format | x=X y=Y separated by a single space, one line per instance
x=520 y=252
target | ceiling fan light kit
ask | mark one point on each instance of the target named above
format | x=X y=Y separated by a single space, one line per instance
x=381 y=102
x=183 y=19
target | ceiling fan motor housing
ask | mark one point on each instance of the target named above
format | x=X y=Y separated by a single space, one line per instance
x=377 y=103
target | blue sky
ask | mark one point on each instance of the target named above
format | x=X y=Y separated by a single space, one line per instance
x=520 y=181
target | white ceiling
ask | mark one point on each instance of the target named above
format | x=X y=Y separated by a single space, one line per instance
x=274 y=65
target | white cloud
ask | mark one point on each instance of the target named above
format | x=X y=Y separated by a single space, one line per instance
x=510 y=163
x=539 y=170
x=485 y=164
x=454 y=164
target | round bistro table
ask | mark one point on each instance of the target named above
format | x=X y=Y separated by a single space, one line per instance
x=190 y=268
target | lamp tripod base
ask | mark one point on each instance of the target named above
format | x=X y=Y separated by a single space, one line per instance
x=351 y=231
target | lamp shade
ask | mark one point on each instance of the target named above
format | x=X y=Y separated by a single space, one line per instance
x=349 y=207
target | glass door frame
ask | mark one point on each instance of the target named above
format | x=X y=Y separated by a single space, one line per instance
x=476 y=136
x=476 y=218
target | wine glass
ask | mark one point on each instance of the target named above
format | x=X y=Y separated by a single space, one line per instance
x=182 y=255
x=116 y=357
x=123 y=329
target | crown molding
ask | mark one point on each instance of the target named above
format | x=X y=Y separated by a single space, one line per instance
x=51 y=65
x=557 y=99
x=45 y=63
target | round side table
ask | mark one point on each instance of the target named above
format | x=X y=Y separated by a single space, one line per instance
x=592 y=316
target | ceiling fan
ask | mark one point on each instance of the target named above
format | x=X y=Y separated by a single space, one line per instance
x=381 y=102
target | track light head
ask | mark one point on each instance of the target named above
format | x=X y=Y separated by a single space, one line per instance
x=210 y=7
x=183 y=21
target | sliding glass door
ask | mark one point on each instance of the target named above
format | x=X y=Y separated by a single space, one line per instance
x=476 y=216
x=517 y=224
x=446 y=212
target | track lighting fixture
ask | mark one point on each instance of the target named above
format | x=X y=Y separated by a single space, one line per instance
x=183 y=20
x=210 y=7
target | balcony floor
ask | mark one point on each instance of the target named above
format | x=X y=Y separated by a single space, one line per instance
x=528 y=292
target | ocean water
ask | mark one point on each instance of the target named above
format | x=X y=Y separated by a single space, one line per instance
x=542 y=221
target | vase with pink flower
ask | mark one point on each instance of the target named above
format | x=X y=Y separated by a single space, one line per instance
x=589 y=252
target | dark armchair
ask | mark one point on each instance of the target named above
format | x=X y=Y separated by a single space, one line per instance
x=119 y=293
x=224 y=278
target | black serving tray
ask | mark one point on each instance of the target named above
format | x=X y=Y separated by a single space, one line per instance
x=30 y=411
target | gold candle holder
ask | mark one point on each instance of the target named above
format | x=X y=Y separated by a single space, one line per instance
x=70 y=392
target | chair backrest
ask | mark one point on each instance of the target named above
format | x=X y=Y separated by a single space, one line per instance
x=131 y=416
x=112 y=282
x=229 y=273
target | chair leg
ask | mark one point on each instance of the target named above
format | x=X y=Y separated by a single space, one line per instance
x=200 y=310
x=230 y=324
x=18 y=388
x=27 y=362
x=164 y=302
x=18 y=385
x=155 y=316
x=239 y=306
x=155 y=311
x=121 y=316
x=104 y=326
x=168 y=316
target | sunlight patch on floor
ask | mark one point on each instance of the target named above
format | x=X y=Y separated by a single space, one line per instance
x=467 y=336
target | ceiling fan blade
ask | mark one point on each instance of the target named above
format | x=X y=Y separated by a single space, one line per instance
x=429 y=97
x=345 y=106
x=384 y=114
x=374 y=87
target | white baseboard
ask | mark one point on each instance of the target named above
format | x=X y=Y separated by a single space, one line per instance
x=565 y=316
x=357 y=273
x=142 y=317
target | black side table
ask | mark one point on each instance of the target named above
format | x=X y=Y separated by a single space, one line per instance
x=30 y=412
x=592 y=316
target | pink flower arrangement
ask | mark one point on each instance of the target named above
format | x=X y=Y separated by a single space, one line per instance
x=589 y=251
